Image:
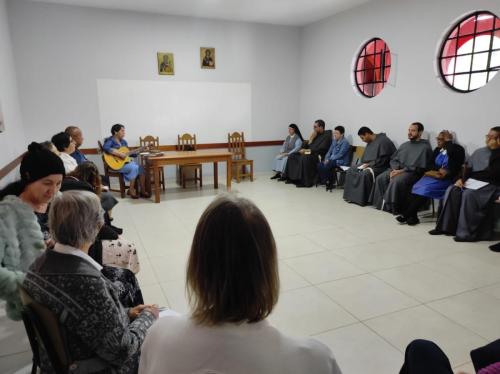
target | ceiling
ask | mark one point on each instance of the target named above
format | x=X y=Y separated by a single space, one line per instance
x=280 y=12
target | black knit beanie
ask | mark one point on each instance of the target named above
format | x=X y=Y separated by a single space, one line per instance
x=38 y=163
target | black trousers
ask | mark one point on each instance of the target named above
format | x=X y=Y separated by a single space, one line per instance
x=415 y=202
x=425 y=357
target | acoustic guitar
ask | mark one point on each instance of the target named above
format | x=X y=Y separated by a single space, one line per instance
x=115 y=162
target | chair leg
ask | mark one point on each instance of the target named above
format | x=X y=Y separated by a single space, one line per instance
x=251 y=171
x=162 y=179
x=201 y=178
x=122 y=186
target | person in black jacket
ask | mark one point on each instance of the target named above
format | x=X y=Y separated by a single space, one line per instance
x=448 y=160
x=425 y=357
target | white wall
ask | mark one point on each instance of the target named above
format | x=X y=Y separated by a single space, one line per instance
x=12 y=141
x=63 y=50
x=413 y=30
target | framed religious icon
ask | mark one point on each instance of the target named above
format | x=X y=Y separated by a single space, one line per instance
x=165 y=63
x=207 y=58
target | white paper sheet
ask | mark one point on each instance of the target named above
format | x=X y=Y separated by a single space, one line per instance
x=474 y=184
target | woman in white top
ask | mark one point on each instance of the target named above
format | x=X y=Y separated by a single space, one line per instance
x=233 y=285
x=66 y=146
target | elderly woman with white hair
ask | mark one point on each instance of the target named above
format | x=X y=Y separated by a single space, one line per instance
x=101 y=336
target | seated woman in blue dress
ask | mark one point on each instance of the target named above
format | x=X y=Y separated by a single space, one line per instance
x=131 y=170
x=448 y=160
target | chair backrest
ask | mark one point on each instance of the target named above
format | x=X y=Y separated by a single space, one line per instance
x=186 y=142
x=236 y=145
x=100 y=149
x=357 y=154
x=150 y=141
x=44 y=331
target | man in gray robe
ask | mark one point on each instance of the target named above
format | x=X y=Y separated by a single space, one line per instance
x=408 y=164
x=468 y=212
x=359 y=180
x=301 y=167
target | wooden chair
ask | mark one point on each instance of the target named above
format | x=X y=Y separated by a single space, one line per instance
x=110 y=173
x=236 y=145
x=44 y=333
x=187 y=142
x=154 y=145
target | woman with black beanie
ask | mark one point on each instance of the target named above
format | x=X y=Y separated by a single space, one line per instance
x=21 y=239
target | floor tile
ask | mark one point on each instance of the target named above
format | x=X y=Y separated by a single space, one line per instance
x=296 y=245
x=474 y=310
x=421 y=322
x=290 y=279
x=153 y=294
x=175 y=292
x=307 y=311
x=466 y=269
x=322 y=267
x=358 y=349
x=171 y=267
x=421 y=282
x=366 y=296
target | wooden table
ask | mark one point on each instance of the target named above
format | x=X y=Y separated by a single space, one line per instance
x=190 y=157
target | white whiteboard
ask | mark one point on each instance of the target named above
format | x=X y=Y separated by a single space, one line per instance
x=165 y=109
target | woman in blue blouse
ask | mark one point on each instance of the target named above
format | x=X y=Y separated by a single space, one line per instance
x=131 y=170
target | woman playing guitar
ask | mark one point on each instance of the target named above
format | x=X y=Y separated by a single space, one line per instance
x=130 y=170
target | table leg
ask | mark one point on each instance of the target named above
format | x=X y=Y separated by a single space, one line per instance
x=156 y=170
x=229 y=170
x=216 y=175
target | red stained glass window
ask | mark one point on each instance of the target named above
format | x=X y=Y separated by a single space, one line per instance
x=470 y=54
x=373 y=67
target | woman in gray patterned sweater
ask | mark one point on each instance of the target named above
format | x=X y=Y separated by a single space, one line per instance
x=101 y=336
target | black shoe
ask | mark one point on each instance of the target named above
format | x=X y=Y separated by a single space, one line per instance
x=118 y=230
x=495 y=247
x=436 y=232
x=412 y=221
x=276 y=176
x=288 y=181
x=282 y=179
x=300 y=185
x=401 y=219
x=462 y=240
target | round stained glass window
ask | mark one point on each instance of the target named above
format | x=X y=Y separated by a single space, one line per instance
x=470 y=54
x=373 y=67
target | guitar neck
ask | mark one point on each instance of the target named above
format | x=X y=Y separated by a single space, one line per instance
x=135 y=151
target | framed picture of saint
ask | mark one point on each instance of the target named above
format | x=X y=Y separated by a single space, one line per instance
x=165 y=63
x=207 y=58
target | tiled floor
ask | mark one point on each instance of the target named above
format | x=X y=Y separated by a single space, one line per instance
x=350 y=276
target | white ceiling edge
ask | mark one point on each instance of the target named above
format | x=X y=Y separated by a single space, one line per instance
x=277 y=12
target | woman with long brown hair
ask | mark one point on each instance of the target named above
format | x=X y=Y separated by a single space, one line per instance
x=233 y=286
